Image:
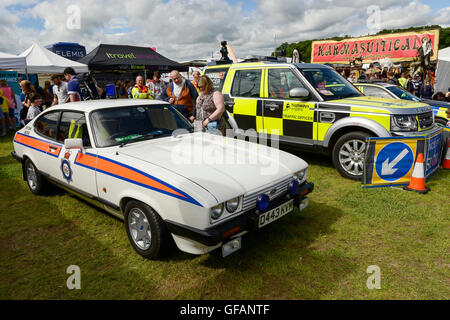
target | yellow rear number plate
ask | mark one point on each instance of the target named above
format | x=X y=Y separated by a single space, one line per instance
x=276 y=213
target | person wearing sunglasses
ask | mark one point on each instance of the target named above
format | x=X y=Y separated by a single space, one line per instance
x=210 y=106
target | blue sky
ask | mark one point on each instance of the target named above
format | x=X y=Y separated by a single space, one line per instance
x=247 y=6
x=437 y=4
x=26 y=21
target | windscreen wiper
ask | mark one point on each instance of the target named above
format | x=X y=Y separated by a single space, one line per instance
x=145 y=136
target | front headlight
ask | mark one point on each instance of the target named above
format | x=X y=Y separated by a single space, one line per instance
x=232 y=205
x=301 y=175
x=216 y=211
x=404 y=123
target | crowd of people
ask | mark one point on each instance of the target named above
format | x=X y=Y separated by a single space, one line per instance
x=197 y=99
x=420 y=85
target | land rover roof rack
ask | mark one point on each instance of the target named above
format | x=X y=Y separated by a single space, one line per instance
x=255 y=58
x=252 y=58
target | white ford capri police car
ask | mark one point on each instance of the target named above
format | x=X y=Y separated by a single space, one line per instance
x=143 y=162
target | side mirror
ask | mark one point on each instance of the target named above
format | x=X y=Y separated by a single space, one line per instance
x=298 y=93
x=74 y=144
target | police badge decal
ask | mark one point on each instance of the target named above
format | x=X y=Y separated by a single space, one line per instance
x=66 y=170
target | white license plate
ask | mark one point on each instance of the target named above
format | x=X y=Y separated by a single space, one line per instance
x=276 y=213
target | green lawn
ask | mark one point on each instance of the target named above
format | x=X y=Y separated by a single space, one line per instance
x=320 y=253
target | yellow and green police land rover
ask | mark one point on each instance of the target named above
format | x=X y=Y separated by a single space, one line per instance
x=311 y=105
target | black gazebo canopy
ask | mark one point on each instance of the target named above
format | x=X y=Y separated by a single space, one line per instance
x=118 y=57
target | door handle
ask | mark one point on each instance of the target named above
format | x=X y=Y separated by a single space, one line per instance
x=229 y=104
x=53 y=148
x=272 y=106
x=327 y=117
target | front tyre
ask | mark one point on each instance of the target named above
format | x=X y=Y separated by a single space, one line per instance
x=349 y=153
x=146 y=231
x=35 y=180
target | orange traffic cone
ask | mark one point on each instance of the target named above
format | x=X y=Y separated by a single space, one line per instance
x=417 y=182
x=446 y=164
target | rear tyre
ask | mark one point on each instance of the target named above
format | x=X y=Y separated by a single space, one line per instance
x=349 y=153
x=35 y=181
x=146 y=230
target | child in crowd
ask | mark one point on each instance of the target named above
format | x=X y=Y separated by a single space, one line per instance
x=8 y=92
x=4 y=113
x=33 y=110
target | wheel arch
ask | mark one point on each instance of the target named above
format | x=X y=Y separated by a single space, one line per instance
x=140 y=198
x=24 y=159
x=351 y=124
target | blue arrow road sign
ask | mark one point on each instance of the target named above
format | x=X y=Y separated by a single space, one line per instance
x=394 y=161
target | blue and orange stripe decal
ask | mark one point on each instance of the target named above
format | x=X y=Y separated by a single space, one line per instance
x=38 y=144
x=130 y=174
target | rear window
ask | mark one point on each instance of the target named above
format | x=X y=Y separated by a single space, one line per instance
x=47 y=124
x=247 y=83
x=402 y=94
x=217 y=75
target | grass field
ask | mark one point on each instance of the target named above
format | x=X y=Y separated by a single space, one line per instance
x=320 y=253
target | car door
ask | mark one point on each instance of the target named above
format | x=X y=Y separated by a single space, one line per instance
x=244 y=100
x=42 y=141
x=291 y=118
x=69 y=168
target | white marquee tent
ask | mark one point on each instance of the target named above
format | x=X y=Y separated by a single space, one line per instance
x=41 y=60
x=442 y=82
x=11 y=62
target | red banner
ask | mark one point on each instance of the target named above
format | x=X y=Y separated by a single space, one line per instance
x=396 y=46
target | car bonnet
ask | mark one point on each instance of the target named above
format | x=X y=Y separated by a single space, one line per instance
x=394 y=106
x=225 y=167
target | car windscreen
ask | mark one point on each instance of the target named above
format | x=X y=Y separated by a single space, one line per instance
x=116 y=126
x=402 y=93
x=329 y=84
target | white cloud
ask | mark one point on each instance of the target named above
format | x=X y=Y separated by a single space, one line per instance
x=185 y=29
x=442 y=17
x=414 y=13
